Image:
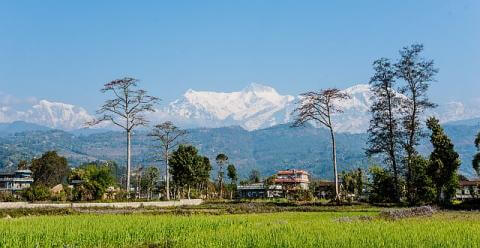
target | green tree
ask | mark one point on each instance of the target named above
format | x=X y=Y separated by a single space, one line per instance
x=360 y=183
x=349 y=182
x=149 y=180
x=381 y=185
x=422 y=189
x=444 y=163
x=94 y=180
x=353 y=182
x=221 y=160
x=476 y=158
x=254 y=176
x=50 y=169
x=232 y=174
x=37 y=193
x=384 y=131
x=118 y=172
x=417 y=73
x=188 y=168
x=202 y=171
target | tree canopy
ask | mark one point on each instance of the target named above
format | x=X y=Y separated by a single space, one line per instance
x=50 y=169
x=187 y=167
x=93 y=180
x=444 y=162
x=476 y=158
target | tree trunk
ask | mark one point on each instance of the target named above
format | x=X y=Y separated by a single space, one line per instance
x=334 y=159
x=392 y=142
x=221 y=183
x=129 y=149
x=410 y=149
x=167 y=176
x=189 y=192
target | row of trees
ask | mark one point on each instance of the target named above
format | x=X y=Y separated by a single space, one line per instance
x=127 y=110
x=433 y=179
x=396 y=128
x=91 y=180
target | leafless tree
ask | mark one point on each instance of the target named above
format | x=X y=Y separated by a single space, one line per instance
x=169 y=137
x=319 y=107
x=125 y=110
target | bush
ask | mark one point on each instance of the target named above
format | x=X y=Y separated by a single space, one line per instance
x=37 y=193
x=7 y=197
x=301 y=195
x=121 y=195
x=61 y=196
x=381 y=185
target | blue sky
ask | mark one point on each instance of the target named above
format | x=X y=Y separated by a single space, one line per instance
x=66 y=50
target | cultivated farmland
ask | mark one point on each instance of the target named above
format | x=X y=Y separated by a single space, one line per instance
x=287 y=229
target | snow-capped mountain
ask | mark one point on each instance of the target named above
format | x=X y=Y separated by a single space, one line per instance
x=50 y=114
x=259 y=106
x=256 y=106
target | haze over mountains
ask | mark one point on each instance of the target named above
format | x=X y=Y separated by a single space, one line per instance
x=255 y=107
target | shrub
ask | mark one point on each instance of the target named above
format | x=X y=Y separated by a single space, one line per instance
x=61 y=196
x=121 y=195
x=37 y=193
x=7 y=197
x=381 y=185
x=301 y=195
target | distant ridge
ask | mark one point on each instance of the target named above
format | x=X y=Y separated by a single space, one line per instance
x=20 y=126
x=269 y=149
x=468 y=122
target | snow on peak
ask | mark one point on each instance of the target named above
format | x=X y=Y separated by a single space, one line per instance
x=258 y=88
x=256 y=106
x=51 y=114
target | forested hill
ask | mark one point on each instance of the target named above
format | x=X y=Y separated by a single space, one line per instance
x=267 y=150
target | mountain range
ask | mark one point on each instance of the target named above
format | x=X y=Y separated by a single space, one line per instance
x=255 y=107
x=267 y=150
x=250 y=125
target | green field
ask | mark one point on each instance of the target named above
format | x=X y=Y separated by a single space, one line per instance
x=289 y=229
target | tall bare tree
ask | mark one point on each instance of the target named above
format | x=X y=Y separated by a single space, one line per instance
x=126 y=110
x=417 y=74
x=384 y=131
x=169 y=137
x=320 y=107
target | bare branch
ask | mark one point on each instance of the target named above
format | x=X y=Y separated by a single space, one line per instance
x=318 y=107
x=128 y=104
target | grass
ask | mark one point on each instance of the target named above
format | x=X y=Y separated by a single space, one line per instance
x=286 y=229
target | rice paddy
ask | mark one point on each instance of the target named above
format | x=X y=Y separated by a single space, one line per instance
x=287 y=229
